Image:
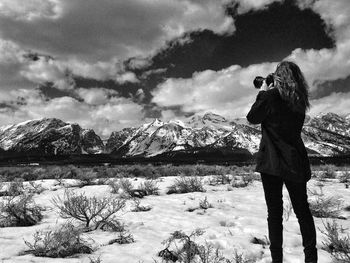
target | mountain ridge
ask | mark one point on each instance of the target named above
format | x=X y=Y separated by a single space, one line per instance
x=326 y=134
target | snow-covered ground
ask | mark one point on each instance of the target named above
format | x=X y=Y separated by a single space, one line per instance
x=236 y=217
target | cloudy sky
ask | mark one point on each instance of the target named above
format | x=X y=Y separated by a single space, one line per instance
x=110 y=64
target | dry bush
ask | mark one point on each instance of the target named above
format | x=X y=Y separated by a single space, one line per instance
x=86 y=178
x=188 y=250
x=186 y=184
x=220 y=179
x=123 y=238
x=345 y=179
x=19 y=211
x=95 y=260
x=204 y=204
x=114 y=185
x=88 y=209
x=55 y=172
x=60 y=243
x=29 y=176
x=337 y=242
x=210 y=254
x=147 y=171
x=240 y=258
x=243 y=181
x=325 y=207
x=260 y=241
x=14 y=188
x=35 y=188
x=287 y=209
x=138 y=207
x=180 y=247
x=126 y=186
x=150 y=187
x=112 y=225
x=328 y=171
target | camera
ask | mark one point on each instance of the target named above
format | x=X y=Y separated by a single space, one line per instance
x=258 y=81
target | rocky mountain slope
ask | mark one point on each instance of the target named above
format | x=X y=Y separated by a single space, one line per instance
x=49 y=136
x=323 y=135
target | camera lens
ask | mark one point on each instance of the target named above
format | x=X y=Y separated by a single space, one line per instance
x=258 y=81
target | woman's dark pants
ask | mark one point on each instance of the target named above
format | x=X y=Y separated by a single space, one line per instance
x=297 y=192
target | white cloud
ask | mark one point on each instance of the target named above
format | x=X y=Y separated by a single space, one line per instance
x=228 y=92
x=30 y=9
x=99 y=113
x=337 y=102
x=328 y=64
x=95 y=96
x=247 y=5
x=91 y=38
x=98 y=30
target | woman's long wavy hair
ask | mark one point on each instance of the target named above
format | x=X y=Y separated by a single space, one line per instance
x=292 y=86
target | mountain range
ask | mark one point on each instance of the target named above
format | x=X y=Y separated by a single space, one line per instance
x=326 y=134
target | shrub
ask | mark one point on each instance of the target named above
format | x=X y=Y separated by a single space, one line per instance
x=240 y=258
x=86 y=178
x=204 y=204
x=220 y=179
x=123 y=238
x=127 y=188
x=150 y=187
x=19 y=211
x=95 y=260
x=337 y=243
x=345 y=179
x=287 y=209
x=35 y=188
x=245 y=180
x=62 y=242
x=260 y=241
x=126 y=185
x=187 y=251
x=112 y=224
x=140 y=208
x=16 y=187
x=186 y=184
x=327 y=172
x=325 y=207
x=88 y=209
x=114 y=185
x=55 y=172
x=29 y=176
x=209 y=254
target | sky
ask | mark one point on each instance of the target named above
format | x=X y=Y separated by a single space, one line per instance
x=111 y=64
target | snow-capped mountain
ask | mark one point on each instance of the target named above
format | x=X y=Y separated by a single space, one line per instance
x=207 y=131
x=323 y=135
x=327 y=134
x=117 y=138
x=49 y=136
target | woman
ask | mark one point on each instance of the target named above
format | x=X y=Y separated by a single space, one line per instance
x=282 y=157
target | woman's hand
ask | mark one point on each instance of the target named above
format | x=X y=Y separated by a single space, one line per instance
x=264 y=87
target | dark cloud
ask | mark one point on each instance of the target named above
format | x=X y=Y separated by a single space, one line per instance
x=261 y=36
x=328 y=87
x=265 y=35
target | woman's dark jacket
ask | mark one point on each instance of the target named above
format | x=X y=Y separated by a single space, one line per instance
x=281 y=151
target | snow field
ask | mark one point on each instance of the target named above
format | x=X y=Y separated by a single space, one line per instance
x=236 y=217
